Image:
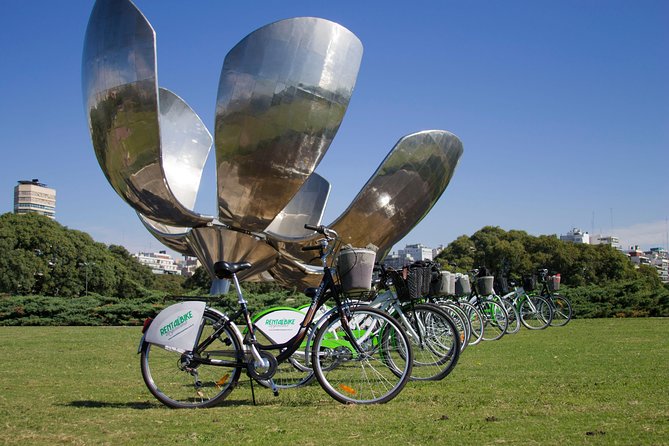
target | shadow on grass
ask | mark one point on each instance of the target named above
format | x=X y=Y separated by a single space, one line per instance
x=89 y=404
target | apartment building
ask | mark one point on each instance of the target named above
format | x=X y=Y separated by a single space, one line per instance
x=33 y=196
x=576 y=236
x=159 y=262
x=408 y=255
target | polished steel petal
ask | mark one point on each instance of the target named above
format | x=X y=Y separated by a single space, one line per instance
x=289 y=272
x=402 y=191
x=185 y=143
x=395 y=199
x=121 y=100
x=215 y=243
x=282 y=95
x=306 y=207
x=170 y=236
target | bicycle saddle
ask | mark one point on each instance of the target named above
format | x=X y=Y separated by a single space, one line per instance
x=225 y=270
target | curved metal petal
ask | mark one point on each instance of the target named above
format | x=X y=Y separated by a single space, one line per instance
x=185 y=143
x=282 y=95
x=394 y=200
x=402 y=191
x=121 y=100
x=170 y=236
x=306 y=207
x=214 y=243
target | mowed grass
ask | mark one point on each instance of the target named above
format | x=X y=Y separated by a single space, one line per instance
x=603 y=381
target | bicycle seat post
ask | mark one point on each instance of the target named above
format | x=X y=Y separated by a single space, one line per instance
x=238 y=289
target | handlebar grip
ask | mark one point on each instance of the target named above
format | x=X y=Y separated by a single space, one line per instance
x=314 y=228
x=311 y=248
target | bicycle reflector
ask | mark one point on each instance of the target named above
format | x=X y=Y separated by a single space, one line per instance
x=347 y=389
x=147 y=323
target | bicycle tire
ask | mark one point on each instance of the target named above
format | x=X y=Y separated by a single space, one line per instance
x=475 y=320
x=495 y=320
x=536 y=313
x=562 y=311
x=435 y=342
x=378 y=373
x=180 y=385
x=513 y=314
x=291 y=373
x=461 y=320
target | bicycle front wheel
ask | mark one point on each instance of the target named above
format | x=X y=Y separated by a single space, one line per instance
x=495 y=320
x=561 y=310
x=180 y=380
x=366 y=359
x=435 y=341
x=536 y=312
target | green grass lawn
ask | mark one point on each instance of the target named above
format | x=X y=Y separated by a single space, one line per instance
x=599 y=381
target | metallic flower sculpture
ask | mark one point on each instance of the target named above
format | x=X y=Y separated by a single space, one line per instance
x=283 y=92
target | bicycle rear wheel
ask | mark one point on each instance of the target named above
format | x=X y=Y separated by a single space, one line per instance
x=370 y=363
x=562 y=311
x=179 y=380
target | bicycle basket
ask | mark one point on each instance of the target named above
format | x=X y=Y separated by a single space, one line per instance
x=355 y=267
x=400 y=284
x=445 y=284
x=554 y=282
x=415 y=282
x=529 y=283
x=485 y=285
x=462 y=286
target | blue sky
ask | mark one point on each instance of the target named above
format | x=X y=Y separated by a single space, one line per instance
x=562 y=106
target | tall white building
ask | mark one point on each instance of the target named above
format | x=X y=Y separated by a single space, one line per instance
x=159 y=262
x=408 y=255
x=576 y=236
x=610 y=240
x=659 y=258
x=36 y=197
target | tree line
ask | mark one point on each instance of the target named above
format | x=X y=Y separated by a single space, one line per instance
x=49 y=274
x=600 y=280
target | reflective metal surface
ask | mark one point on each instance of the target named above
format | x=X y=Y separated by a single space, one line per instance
x=282 y=95
x=185 y=143
x=171 y=236
x=395 y=199
x=402 y=190
x=121 y=100
x=306 y=207
x=214 y=243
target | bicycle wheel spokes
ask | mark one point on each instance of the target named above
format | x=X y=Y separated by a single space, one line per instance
x=495 y=321
x=435 y=342
x=374 y=370
x=562 y=311
x=180 y=380
x=513 y=317
x=535 y=313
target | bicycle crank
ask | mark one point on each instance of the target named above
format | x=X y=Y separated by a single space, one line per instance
x=262 y=370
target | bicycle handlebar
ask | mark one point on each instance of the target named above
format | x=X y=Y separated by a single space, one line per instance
x=330 y=233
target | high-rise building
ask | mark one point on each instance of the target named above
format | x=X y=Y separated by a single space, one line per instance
x=33 y=196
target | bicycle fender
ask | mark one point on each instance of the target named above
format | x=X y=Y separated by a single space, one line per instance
x=176 y=327
x=280 y=325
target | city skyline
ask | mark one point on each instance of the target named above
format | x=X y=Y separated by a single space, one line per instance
x=562 y=109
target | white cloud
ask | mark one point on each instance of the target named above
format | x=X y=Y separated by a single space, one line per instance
x=646 y=235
